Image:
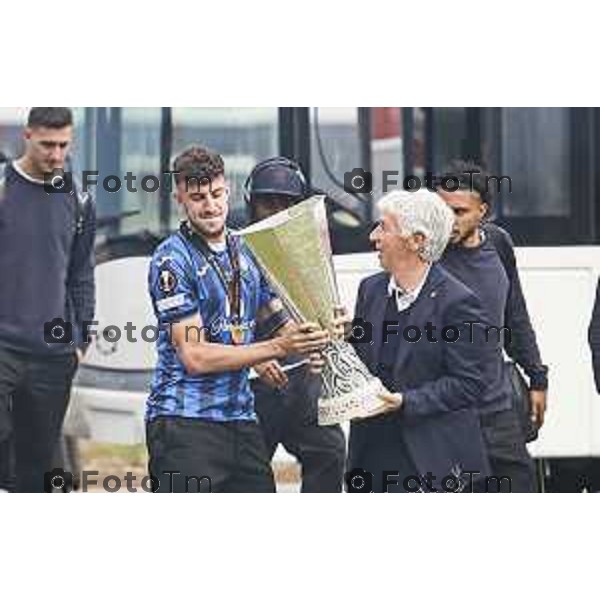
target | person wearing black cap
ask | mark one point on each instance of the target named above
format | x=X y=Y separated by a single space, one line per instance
x=286 y=394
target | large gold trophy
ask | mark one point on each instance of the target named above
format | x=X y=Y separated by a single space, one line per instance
x=294 y=250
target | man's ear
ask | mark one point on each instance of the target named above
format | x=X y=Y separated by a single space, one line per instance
x=27 y=133
x=177 y=194
x=418 y=241
x=485 y=207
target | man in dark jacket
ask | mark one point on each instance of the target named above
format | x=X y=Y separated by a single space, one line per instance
x=594 y=338
x=47 y=295
x=576 y=474
x=482 y=258
x=427 y=347
x=286 y=392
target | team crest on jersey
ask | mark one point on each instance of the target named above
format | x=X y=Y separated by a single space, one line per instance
x=167 y=282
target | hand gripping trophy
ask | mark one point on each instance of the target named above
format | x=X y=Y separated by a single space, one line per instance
x=294 y=250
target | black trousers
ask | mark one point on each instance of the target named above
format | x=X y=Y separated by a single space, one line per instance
x=573 y=475
x=34 y=394
x=510 y=461
x=289 y=417
x=387 y=454
x=193 y=455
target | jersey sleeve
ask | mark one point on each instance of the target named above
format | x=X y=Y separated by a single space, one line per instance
x=173 y=290
x=272 y=314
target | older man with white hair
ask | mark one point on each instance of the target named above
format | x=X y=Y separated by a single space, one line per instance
x=429 y=350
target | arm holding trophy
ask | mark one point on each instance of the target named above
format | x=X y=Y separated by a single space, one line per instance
x=200 y=356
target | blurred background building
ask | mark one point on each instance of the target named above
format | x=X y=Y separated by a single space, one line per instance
x=548 y=152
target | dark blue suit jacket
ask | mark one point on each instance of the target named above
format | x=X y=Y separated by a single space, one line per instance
x=594 y=338
x=441 y=382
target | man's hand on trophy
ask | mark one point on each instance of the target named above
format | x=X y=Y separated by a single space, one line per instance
x=342 y=323
x=316 y=363
x=272 y=374
x=306 y=338
x=392 y=402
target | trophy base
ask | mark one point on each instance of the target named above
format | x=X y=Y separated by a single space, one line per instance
x=358 y=404
x=350 y=391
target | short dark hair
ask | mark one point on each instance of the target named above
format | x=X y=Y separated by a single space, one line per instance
x=198 y=163
x=53 y=117
x=470 y=176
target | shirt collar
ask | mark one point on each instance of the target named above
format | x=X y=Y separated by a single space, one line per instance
x=405 y=299
x=217 y=246
x=26 y=176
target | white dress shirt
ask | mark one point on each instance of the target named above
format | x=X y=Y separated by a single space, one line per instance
x=405 y=299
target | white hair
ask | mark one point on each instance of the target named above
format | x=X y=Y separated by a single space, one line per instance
x=421 y=212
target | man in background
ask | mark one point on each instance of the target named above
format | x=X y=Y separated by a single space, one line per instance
x=47 y=232
x=287 y=392
x=482 y=257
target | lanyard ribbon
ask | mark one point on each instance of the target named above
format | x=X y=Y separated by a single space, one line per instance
x=232 y=284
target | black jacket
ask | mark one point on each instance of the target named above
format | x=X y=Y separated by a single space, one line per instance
x=594 y=338
x=523 y=348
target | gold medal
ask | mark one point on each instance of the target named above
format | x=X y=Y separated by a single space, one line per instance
x=237 y=334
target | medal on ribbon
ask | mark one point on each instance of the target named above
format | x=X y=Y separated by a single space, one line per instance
x=238 y=333
x=232 y=282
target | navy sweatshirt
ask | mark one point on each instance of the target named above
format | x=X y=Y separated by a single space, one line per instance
x=523 y=348
x=481 y=270
x=46 y=269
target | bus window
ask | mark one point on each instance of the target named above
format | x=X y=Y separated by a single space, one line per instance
x=12 y=121
x=335 y=147
x=386 y=149
x=140 y=155
x=549 y=155
x=339 y=146
x=117 y=142
x=535 y=155
x=450 y=136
